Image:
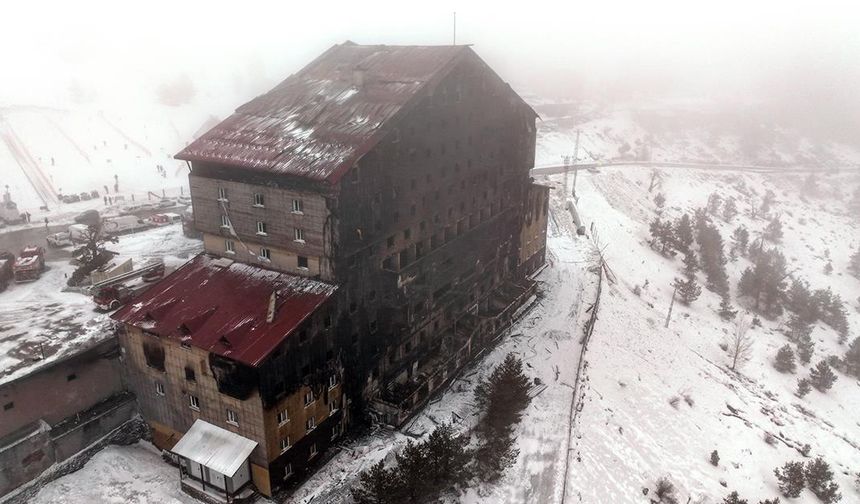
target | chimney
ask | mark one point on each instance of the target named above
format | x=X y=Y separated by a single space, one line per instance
x=270 y=313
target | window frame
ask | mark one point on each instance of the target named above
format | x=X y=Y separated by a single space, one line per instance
x=298 y=207
x=299 y=260
x=286 y=417
x=232 y=417
x=159 y=388
x=310 y=394
x=261 y=228
x=229 y=246
x=265 y=254
x=298 y=235
x=222 y=194
x=284 y=444
x=259 y=200
x=194 y=402
x=310 y=423
x=225 y=221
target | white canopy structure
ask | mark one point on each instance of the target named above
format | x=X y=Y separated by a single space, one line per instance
x=213 y=447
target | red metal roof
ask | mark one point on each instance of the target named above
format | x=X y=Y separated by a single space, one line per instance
x=319 y=121
x=221 y=306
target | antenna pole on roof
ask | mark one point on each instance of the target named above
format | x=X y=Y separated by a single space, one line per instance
x=455 y=28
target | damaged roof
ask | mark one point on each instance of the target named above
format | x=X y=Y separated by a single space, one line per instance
x=318 y=122
x=221 y=306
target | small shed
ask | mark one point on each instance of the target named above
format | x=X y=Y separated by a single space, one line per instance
x=214 y=460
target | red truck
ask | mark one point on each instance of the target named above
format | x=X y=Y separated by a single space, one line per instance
x=29 y=265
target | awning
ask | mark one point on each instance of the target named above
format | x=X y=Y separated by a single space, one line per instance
x=216 y=448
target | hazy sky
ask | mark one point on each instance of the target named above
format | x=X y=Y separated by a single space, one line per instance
x=731 y=50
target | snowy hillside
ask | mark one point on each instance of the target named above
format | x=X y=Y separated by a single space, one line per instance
x=661 y=400
x=685 y=132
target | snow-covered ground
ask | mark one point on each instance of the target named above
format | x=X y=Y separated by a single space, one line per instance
x=119 y=475
x=38 y=318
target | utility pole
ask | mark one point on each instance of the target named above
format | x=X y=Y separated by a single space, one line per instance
x=566 y=171
x=455 y=28
x=669 y=315
x=575 y=159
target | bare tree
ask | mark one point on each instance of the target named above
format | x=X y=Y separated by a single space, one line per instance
x=740 y=347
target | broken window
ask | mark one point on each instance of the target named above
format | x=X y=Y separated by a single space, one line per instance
x=311 y=424
x=189 y=374
x=309 y=397
x=283 y=417
x=303 y=262
x=285 y=445
x=154 y=356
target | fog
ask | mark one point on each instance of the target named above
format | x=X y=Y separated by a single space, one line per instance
x=791 y=62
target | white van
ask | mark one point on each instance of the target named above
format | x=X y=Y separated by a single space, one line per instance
x=123 y=224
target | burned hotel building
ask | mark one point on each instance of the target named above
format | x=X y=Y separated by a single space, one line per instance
x=369 y=226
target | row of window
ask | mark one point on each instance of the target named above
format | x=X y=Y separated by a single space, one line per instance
x=262 y=229
x=265 y=253
x=260 y=200
x=194 y=403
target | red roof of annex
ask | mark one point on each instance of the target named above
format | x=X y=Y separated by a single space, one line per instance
x=320 y=121
x=221 y=306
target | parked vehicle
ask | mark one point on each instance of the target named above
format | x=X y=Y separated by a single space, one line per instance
x=94 y=194
x=164 y=219
x=113 y=296
x=8 y=256
x=79 y=233
x=29 y=265
x=6 y=274
x=61 y=239
x=123 y=224
x=156 y=273
x=184 y=200
x=167 y=203
x=71 y=198
x=85 y=196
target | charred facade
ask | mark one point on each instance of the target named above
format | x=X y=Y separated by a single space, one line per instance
x=399 y=176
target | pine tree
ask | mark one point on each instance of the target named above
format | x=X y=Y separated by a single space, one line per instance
x=714 y=201
x=822 y=376
x=684 y=233
x=798 y=328
x=819 y=479
x=730 y=210
x=765 y=282
x=691 y=264
x=659 y=200
x=854 y=264
x=726 y=310
x=805 y=348
x=852 y=358
x=411 y=471
x=734 y=498
x=803 y=387
x=376 y=486
x=688 y=289
x=767 y=202
x=784 y=362
x=663 y=236
x=446 y=457
x=828 y=268
x=791 y=479
x=773 y=231
x=740 y=239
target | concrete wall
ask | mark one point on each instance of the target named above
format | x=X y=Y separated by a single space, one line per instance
x=61 y=389
x=27 y=453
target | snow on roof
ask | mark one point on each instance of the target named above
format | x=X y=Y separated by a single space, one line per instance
x=321 y=120
x=221 y=306
x=216 y=448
